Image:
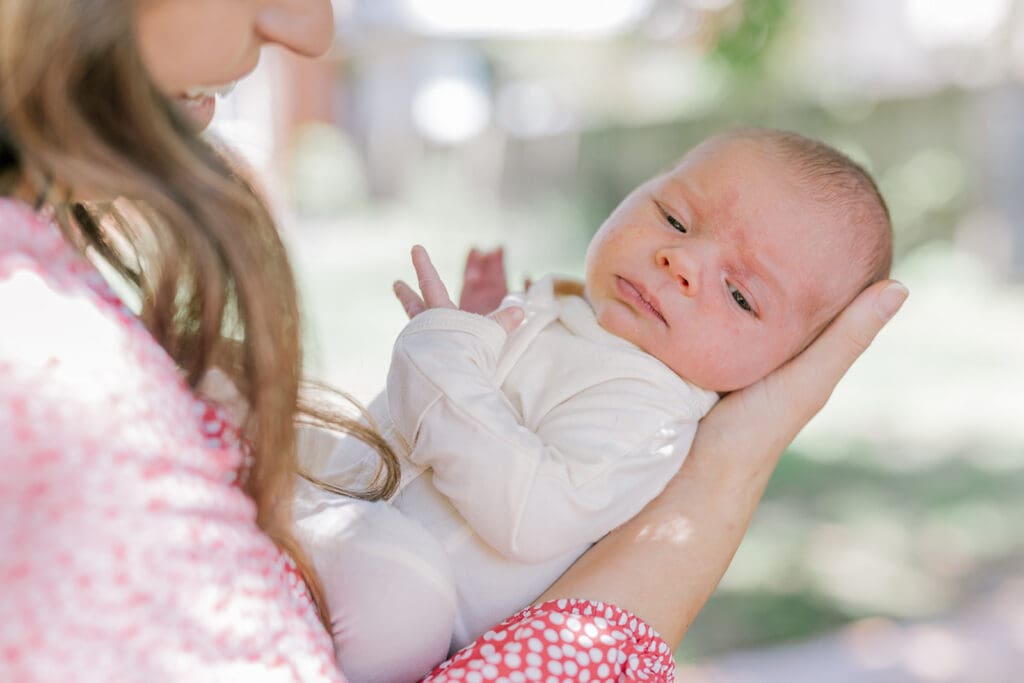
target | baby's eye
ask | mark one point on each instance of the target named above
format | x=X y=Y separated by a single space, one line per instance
x=669 y=218
x=675 y=223
x=740 y=300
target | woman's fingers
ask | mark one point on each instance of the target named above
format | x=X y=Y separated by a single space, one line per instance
x=410 y=300
x=435 y=294
x=808 y=380
x=766 y=416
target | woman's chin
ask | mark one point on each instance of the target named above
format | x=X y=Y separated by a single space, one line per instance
x=200 y=110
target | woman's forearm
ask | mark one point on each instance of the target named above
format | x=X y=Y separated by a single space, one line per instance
x=664 y=564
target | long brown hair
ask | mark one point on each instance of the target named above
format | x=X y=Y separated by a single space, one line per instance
x=195 y=240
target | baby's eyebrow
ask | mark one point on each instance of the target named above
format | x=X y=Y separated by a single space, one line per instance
x=755 y=271
x=675 y=190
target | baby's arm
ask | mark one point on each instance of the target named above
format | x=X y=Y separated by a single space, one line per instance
x=532 y=496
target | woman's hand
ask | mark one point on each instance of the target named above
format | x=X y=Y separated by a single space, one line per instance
x=664 y=564
x=435 y=294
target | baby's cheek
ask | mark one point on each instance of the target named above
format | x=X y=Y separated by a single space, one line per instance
x=714 y=369
x=614 y=318
x=728 y=366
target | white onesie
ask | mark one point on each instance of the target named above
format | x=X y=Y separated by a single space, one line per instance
x=518 y=452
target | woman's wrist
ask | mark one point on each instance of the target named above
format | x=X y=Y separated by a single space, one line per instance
x=685 y=539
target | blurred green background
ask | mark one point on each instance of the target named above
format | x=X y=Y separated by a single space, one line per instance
x=460 y=124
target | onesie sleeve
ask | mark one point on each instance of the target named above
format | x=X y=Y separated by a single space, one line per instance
x=532 y=496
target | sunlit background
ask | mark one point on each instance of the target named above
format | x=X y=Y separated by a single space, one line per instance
x=889 y=545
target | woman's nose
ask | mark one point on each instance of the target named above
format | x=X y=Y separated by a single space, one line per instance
x=302 y=26
x=685 y=265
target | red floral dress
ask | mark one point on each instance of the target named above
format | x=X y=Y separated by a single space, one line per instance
x=563 y=641
x=128 y=552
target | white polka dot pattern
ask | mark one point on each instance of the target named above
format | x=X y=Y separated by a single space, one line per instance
x=563 y=641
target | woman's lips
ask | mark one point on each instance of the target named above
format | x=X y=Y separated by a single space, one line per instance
x=200 y=102
x=199 y=109
x=644 y=301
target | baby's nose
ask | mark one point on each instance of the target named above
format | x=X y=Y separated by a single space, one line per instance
x=683 y=268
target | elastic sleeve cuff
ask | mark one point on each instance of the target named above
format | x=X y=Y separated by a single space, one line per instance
x=490 y=333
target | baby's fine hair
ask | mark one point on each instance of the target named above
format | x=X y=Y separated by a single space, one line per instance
x=840 y=184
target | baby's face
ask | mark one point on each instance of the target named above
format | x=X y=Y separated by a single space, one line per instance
x=719 y=268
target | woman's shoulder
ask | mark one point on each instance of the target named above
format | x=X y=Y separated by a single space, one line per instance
x=79 y=372
x=118 y=487
x=18 y=223
x=33 y=248
x=82 y=382
x=30 y=240
x=64 y=329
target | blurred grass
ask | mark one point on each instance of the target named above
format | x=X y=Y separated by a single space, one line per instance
x=943 y=529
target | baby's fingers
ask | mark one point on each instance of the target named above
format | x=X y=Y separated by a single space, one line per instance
x=410 y=300
x=509 y=318
x=494 y=261
x=435 y=294
x=474 y=266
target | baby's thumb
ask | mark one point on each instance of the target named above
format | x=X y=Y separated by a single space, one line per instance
x=509 y=318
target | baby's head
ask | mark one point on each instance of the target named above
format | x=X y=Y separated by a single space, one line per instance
x=729 y=264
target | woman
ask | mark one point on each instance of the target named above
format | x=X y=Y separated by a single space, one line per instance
x=138 y=539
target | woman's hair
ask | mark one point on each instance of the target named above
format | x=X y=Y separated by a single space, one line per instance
x=78 y=112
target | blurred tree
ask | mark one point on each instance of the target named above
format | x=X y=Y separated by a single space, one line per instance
x=748 y=31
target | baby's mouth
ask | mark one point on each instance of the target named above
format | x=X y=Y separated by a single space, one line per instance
x=638 y=296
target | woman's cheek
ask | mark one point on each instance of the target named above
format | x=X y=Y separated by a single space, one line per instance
x=187 y=43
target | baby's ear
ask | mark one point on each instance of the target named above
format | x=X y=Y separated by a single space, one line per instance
x=566 y=287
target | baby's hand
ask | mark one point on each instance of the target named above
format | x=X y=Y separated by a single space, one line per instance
x=484 y=284
x=435 y=294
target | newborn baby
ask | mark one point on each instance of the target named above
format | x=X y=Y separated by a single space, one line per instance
x=521 y=449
